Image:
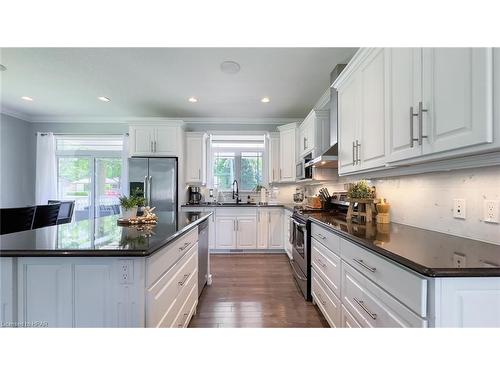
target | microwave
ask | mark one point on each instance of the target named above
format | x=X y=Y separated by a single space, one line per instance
x=301 y=171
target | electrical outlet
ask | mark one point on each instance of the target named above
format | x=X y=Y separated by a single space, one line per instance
x=126 y=271
x=491 y=211
x=459 y=208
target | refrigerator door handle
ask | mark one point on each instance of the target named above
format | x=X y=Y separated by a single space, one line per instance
x=146 y=188
x=149 y=188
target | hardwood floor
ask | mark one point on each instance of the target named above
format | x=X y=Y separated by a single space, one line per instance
x=254 y=291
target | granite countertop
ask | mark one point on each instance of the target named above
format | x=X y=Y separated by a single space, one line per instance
x=429 y=253
x=100 y=237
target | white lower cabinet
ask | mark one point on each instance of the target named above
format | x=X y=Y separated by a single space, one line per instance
x=157 y=291
x=275 y=220
x=287 y=229
x=348 y=320
x=262 y=229
x=371 y=306
x=225 y=232
x=326 y=300
x=246 y=232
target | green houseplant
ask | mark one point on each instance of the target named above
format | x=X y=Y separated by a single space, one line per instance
x=130 y=204
x=360 y=190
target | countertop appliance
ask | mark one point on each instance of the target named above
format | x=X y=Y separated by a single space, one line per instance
x=203 y=256
x=329 y=159
x=194 y=195
x=156 y=179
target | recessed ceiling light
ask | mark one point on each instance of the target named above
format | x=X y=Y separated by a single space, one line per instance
x=265 y=99
x=193 y=100
x=3 y=68
x=103 y=99
x=27 y=98
x=230 y=67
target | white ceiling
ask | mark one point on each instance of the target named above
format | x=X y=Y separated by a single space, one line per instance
x=156 y=82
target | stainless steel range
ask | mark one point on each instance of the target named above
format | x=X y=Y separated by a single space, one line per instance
x=300 y=227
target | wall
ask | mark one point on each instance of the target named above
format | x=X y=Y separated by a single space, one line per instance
x=426 y=200
x=17 y=162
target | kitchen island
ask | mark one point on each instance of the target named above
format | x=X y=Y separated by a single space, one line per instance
x=96 y=273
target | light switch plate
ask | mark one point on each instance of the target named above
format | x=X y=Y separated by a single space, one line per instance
x=491 y=211
x=459 y=209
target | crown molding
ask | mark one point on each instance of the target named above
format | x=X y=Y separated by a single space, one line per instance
x=324 y=100
x=187 y=120
x=15 y=114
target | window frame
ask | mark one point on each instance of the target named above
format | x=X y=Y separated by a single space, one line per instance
x=237 y=164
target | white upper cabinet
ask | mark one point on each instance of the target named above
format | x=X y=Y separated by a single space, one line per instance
x=458 y=98
x=362 y=113
x=157 y=140
x=371 y=147
x=274 y=157
x=287 y=152
x=314 y=133
x=196 y=166
x=349 y=119
x=405 y=86
x=402 y=106
x=141 y=140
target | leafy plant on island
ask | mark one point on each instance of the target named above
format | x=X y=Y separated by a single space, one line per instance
x=136 y=199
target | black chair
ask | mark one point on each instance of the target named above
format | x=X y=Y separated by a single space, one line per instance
x=16 y=219
x=46 y=215
x=65 y=211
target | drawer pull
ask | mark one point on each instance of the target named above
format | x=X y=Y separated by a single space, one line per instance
x=362 y=305
x=363 y=264
x=181 y=283
x=180 y=325
x=186 y=245
x=320 y=263
x=321 y=300
x=321 y=236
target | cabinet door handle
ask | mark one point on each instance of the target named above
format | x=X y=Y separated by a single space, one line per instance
x=358 y=146
x=183 y=281
x=151 y=146
x=155 y=146
x=363 y=264
x=411 y=127
x=199 y=173
x=421 y=111
x=305 y=143
x=362 y=305
x=280 y=174
x=353 y=153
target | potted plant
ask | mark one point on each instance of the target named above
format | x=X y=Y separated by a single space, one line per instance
x=131 y=204
x=360 y=190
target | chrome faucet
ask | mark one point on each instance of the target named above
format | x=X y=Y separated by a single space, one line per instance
x=236 y=193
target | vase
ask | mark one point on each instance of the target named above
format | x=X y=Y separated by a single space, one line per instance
x=129 y=213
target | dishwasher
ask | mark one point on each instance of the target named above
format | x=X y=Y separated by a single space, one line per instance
x=204 y=276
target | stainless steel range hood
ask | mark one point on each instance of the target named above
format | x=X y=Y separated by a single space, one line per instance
x=329 y=159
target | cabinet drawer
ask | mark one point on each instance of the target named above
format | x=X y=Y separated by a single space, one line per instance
x=327 y=265
x=327 y=302
x=326 y=237
x=163 y=259
x=371 y=306
x=188 y=308
x=348 y=320
x=407 y=287
x=166 y=296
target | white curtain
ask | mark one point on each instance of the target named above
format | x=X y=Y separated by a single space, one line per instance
x=46 y=168
x=124 y=177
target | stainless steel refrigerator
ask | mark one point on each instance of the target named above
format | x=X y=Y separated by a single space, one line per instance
x=156 y=180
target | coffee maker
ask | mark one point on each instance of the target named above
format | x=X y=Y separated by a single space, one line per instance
x=194 y=195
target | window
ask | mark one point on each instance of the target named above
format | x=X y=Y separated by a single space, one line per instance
x=237 y=158
x=89 y=172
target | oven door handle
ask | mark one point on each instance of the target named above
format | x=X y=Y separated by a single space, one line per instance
x=292 y=262
x=298 y=224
